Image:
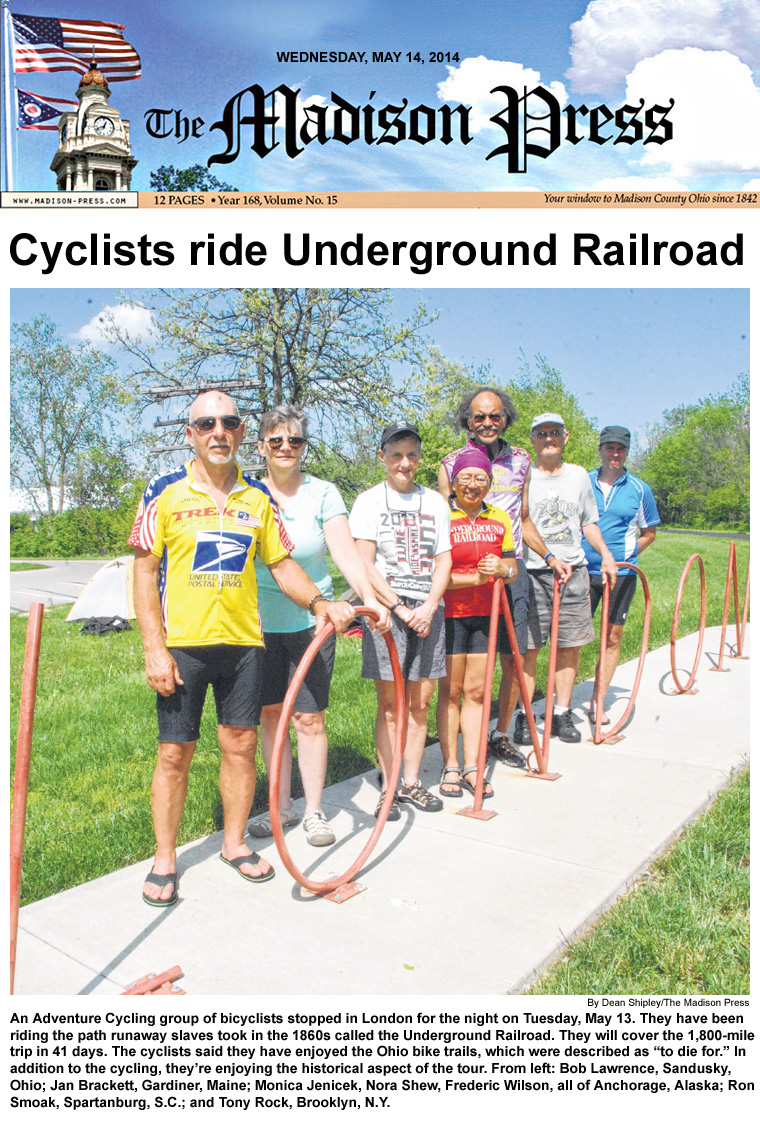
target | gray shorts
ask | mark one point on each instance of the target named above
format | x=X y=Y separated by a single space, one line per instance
x=419 y=657
x=575 y=625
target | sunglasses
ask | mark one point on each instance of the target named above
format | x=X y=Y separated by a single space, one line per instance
x=493 y=416
x=555 y=434
x=295 y=441
x=207 y=423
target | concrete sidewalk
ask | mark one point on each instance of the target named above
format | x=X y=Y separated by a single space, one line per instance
x=452 y=905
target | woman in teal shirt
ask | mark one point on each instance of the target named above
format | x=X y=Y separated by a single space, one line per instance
x=315 y=519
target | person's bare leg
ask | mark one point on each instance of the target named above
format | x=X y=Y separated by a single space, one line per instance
x=312 y=757
x=509 y=692
x=385 y=726
x=418 y=695
x=529 y=670
x=447 y=717
x=472 y=707
x=611 y=660
x=237 y=784
x=167 y=800
x=270 y=719
x=568 y=660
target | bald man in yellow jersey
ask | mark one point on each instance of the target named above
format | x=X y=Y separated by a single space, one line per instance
x=195 y=537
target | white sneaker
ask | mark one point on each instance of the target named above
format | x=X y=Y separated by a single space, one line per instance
x=318 y=832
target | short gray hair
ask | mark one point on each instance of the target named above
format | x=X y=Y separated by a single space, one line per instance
x=286 y=413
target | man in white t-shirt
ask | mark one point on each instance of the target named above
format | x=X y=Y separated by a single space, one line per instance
x=562 y=506
x=402 y=533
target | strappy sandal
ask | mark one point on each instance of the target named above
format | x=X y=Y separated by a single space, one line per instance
x=487 y=789
x=454 y=789
x=419 y=797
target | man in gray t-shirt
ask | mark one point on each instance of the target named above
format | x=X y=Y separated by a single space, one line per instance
x=562 y=506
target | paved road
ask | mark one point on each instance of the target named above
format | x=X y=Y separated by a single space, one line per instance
x=58 y=581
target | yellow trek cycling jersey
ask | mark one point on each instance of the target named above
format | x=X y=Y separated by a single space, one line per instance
x=207 y=579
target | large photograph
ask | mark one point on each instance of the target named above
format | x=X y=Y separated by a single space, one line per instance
x=204 y=480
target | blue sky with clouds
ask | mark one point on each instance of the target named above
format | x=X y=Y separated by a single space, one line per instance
x=627 y=354
x=703 y=53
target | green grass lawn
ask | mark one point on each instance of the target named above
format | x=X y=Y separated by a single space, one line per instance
x=19 y=566
x=684 y=928
x=95 y=729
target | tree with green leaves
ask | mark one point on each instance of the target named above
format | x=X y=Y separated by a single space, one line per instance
x=67 y=408
x=333 y=352
x=196 y=178
x=697 y=461
x=535 y=388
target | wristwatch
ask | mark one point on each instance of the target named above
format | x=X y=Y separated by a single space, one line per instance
x=398 y=603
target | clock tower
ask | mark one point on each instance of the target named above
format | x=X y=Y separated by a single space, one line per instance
x=94 y=154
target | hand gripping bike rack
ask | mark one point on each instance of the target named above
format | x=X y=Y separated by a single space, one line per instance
x=612 y=736
x=500 y=604
x=674 y=629
x=733 y=576
x=337 y=889
x=21 y=775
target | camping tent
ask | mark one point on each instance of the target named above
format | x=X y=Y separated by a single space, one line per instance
x=108 y=592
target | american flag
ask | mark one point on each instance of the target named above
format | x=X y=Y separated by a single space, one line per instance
x=42 y=43
x=33 y=109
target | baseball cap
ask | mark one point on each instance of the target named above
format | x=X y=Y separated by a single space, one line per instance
x=402 y=427
x=615 y=435
x=547 y=417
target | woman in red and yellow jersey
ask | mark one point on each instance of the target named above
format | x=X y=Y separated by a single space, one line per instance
x=482 y=548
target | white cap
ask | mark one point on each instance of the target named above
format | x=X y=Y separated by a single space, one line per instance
x=547 y=417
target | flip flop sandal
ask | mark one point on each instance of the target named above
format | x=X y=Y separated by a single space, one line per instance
x=453 y=791
x=162 y=880
x=487 y=789
x=254 y=859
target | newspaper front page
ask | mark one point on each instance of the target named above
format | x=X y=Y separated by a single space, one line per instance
x=574 y=187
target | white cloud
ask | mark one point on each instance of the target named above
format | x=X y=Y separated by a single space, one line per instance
x=711 y=135
x=640 y=184
x=751 y=185
x=614 y=35
x=133 y=319
x=471 y=81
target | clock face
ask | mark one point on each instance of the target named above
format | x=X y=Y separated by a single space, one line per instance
x=104 y=126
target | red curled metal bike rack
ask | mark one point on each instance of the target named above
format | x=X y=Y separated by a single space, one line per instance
x=733 y=575
x=612 y=736
x=541 y=755
x=674 y=629
x=21 y=774
x=340 y=888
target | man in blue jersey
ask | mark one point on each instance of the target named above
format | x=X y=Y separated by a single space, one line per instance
x=628 y=520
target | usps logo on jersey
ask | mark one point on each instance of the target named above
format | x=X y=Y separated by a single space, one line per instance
x=221 y=551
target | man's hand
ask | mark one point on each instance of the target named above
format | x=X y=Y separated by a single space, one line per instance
x=562 y=570
x=340 y=614
x=162 y=671
x=609 y=569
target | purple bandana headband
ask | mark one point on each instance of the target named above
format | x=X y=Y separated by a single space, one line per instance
x=474 y=459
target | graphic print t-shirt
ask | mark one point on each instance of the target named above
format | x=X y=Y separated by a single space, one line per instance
x=560 y=504
x=207 y=579
x=410 y=530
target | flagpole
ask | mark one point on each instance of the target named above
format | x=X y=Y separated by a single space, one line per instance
x=7 y=129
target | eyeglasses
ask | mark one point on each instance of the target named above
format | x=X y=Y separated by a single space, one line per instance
x=553 y=434
x=493 y=416
x=207 y=423
x=464 y=481
x=295 y=441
